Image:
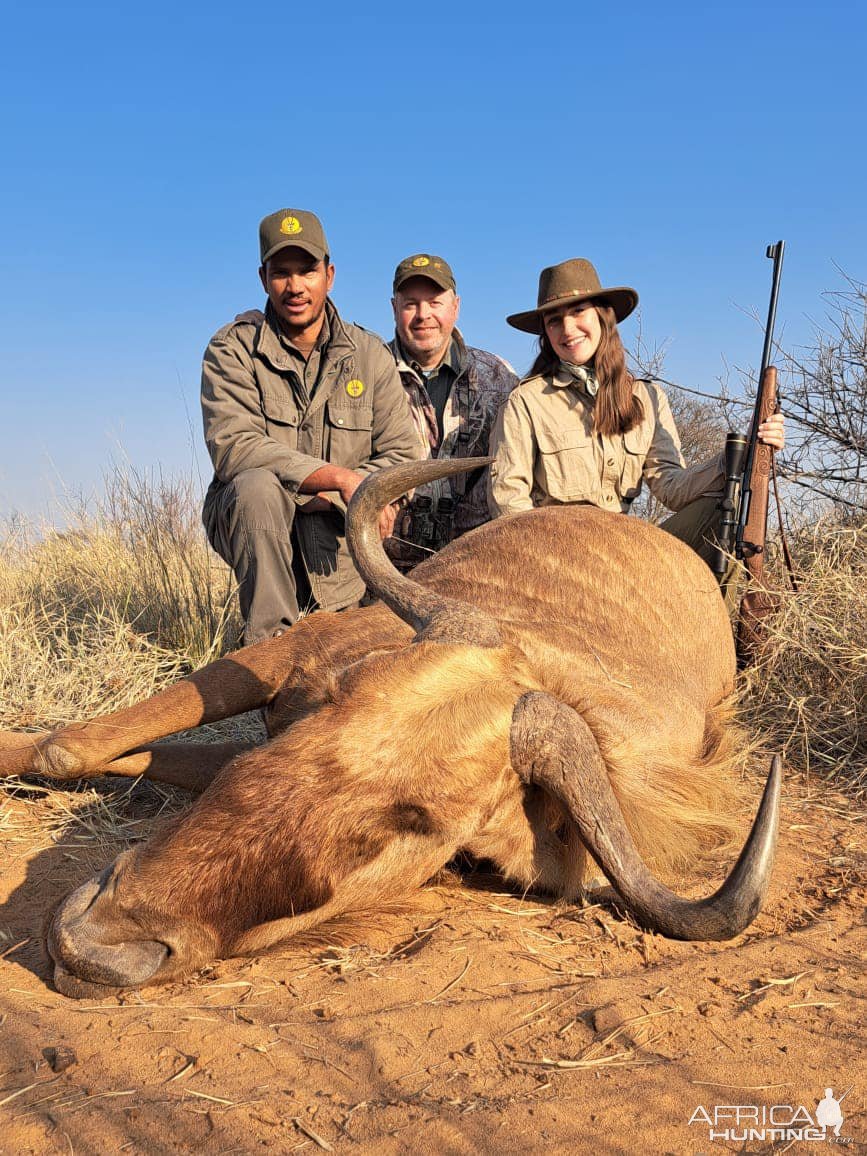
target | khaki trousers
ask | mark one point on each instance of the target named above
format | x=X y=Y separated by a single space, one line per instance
x=696 y=526
x=249 y=523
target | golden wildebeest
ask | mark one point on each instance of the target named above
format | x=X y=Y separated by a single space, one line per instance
x=549 y=686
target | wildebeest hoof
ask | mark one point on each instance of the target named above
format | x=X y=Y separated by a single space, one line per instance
x=59 y=763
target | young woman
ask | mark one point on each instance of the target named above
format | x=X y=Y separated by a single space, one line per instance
x=580 y=428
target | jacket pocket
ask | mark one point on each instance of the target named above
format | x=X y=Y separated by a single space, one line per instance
x=349 y=430
x=636 y=444
x=281 y=419
x=566 y=469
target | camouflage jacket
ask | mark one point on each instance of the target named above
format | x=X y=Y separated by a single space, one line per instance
x=441 y=511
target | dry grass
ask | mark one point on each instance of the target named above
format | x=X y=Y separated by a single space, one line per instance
x=124 y=601
x=807 y=694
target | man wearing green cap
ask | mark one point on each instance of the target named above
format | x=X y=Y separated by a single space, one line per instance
x=455 y=392
x=298 y=407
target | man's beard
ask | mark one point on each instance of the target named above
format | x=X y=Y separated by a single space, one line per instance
x=291 y=327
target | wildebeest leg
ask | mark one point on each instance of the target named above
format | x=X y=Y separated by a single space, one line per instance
x=240 y=682
x=245 y=680
x=401 y=869
x=192 y=766
x=18 y=751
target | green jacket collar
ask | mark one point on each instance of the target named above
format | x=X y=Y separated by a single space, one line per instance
x=269 y=346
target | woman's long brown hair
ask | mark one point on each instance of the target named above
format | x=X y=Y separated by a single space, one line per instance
x=617 y=409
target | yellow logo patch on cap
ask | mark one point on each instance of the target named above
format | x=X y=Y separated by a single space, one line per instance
x=290 y=226
x=355 y=388
x=420 y=262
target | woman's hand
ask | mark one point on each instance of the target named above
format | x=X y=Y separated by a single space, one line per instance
x=773 y=431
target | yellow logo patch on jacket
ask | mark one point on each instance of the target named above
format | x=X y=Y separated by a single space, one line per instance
x=355 y=388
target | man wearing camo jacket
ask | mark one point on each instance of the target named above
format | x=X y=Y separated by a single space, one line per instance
x=455 y=393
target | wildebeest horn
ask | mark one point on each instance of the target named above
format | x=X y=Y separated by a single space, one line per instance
x=82 y=957
x=433 y=616
x=552 y=746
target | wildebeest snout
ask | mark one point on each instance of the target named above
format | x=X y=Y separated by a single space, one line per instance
x=99 y=948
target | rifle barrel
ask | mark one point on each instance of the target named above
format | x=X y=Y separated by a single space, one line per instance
x=774 y=253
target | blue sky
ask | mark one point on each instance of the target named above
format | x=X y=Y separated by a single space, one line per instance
x=669 y=143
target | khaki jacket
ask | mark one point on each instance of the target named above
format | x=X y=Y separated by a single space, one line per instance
x=483 y=383
x=257 y=415
x=546 y=452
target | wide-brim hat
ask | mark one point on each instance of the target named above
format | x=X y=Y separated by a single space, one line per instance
x=567 y=284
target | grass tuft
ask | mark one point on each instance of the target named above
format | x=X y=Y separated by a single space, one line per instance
x=807 y=693
x=122 y=602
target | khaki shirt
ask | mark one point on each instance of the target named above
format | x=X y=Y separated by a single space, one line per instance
x=260 y=413
x=547 y=453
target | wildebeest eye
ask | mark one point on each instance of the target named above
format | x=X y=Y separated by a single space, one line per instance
x=412 y=818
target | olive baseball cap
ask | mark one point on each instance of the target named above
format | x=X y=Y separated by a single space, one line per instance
x=569 y=283
x=424 y=265
x=295 y=227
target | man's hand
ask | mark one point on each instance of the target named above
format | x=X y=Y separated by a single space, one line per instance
x=339 y=478
x=386 y=522
x=317 y=505
x=346 y=482
x=773 y=431
x=321 y=505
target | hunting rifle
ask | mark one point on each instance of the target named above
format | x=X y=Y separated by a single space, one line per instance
x=744 y=507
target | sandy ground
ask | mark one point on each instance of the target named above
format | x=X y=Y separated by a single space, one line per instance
x=483 y=1022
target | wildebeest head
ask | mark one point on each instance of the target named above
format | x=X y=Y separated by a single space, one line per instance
x=362 y=800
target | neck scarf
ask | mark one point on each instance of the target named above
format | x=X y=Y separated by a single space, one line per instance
x=582 y=375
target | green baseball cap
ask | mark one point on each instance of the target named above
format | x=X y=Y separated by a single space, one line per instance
x=295 y=227
x=424 y=265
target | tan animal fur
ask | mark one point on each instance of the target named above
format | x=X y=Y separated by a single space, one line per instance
x=391 y=754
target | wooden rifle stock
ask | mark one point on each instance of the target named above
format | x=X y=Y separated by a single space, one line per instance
x=757 y=603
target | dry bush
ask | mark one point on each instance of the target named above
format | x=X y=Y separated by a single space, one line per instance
x=123 y=602
x=807 y=692
x=822 y=390
x=825 y=387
